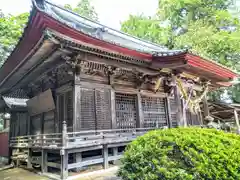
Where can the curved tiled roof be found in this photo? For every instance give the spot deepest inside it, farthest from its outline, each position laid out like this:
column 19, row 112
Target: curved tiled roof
column 46, row 15
column 98, row 30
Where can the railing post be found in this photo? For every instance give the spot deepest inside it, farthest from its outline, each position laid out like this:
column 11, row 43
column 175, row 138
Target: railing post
column 64, row 164
column 64, row 134
column 64, row 153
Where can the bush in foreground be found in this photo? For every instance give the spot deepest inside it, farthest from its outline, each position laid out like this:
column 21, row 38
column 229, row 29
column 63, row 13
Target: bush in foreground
column 182, row 154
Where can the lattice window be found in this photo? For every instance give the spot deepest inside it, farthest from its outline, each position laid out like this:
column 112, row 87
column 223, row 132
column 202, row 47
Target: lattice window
column 154, row 112
column 95, row 109
column 125, row 111
column 88, row 113
column 103, row 109
column 173, row 107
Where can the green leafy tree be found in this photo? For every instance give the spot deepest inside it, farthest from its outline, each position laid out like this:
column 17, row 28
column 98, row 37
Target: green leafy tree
column 85, row 9
column 147, row 28
column 11, row 28
column 208, row 28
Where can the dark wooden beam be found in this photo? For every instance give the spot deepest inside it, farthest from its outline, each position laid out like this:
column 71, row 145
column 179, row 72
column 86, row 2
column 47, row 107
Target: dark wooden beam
column 184, row 113
column 140, row 117
column 168, row 111
column 222, row 111
column 76, row 103
column 113, row 109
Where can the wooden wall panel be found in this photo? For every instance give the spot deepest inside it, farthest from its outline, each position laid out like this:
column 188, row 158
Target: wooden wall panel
column 48, row 122
column 192, row 119
column 36, row 124
column 42, row 103
column 4, row 148
column 23, row 120
column 173, row 108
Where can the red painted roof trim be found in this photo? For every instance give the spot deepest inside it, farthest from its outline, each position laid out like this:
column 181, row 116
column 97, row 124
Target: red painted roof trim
column 210, row 66
column 41, row 21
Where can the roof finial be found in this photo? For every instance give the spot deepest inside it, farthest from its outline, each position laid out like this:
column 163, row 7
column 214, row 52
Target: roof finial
column 39, row 3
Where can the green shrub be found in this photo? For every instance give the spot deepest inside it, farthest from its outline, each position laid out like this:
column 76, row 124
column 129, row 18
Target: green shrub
column 182, row 154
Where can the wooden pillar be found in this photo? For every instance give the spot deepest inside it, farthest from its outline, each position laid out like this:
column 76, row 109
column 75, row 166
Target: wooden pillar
column 206, row 112
column 184, row 113
column 10, row 135
column 168, row 112
column 237, row 120
column 140, row 116
column 200, row 117
column 77, row 113
column 105, row 156
column 113, row 109
column 178, row 103
column 57, row 115
column 64, row 153
column 64, row 164
column 76, row 104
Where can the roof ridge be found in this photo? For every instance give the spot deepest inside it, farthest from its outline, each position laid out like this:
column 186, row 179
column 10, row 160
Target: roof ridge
column 133, row 38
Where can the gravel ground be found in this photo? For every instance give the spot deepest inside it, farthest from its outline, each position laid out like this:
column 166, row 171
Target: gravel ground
column 22, row 174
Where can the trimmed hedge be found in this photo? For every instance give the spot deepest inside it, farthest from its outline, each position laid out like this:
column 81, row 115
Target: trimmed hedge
column 182, row 154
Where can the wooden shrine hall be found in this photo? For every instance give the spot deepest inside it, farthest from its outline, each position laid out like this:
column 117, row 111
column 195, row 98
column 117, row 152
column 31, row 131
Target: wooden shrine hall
column 79, row 91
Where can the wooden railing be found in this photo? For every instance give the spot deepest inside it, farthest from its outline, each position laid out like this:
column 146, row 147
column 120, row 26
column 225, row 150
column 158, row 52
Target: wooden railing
column 53, row 140
column 68, row 140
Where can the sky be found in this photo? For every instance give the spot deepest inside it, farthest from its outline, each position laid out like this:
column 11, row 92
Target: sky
column 110, row 12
